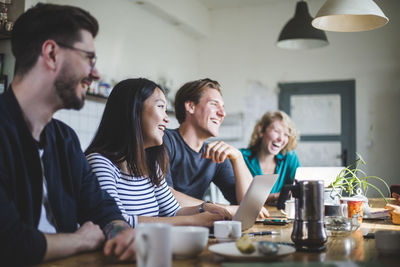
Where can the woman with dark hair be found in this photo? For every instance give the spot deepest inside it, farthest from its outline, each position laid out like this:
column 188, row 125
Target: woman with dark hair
column 271, row 150
column 129, row 159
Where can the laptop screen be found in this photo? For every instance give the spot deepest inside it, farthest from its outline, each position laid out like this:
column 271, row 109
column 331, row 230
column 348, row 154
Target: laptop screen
column 254, row 199
column 326, row 174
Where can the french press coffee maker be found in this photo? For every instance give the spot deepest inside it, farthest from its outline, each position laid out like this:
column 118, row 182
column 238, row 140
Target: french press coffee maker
column 308, row 227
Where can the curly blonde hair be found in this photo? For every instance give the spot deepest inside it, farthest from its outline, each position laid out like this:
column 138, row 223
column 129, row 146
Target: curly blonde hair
column 264, row 122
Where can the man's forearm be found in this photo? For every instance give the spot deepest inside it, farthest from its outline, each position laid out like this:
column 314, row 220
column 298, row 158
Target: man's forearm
column 243, row 177
column 61, row 245
column 185, row 200
column 87, row 238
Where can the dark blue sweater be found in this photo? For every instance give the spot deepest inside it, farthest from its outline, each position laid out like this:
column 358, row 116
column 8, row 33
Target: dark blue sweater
column 73, row 191
column 192, row 174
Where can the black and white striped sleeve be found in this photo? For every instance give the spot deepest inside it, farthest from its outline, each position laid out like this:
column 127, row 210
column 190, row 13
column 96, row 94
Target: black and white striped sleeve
column 108, row 175
column 166, row 201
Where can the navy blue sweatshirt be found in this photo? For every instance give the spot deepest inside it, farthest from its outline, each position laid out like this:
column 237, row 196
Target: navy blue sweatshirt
column 73, row 190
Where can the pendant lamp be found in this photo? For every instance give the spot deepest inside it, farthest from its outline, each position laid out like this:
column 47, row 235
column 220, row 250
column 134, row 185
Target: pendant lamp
column 349, row 16
column 298, row 32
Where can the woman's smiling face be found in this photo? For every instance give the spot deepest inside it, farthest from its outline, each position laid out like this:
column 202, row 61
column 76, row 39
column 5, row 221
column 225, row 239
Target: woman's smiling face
column 154, row 119
column 275, row 137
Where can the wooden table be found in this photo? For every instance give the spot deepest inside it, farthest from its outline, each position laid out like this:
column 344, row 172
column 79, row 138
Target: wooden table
column 350, row 248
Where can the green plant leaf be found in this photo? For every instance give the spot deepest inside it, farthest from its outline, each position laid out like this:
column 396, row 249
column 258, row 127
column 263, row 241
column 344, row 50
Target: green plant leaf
column 353, row 178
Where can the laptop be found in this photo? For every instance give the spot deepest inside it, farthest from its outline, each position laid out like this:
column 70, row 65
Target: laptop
column 254, row 199
column 326, row 174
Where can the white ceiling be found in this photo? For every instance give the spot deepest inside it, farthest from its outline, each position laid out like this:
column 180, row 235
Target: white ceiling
column 219, row 4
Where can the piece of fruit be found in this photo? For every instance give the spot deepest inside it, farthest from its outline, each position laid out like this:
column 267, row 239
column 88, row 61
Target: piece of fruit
column 245, row 245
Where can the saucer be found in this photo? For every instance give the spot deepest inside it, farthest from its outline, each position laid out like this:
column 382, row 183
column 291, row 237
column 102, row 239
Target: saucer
column 230, row 251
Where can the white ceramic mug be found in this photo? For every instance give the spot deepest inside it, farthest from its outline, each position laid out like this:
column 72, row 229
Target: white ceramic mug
column 227, row 230
column 343, row 204
column 290, row 209
column 153, row 245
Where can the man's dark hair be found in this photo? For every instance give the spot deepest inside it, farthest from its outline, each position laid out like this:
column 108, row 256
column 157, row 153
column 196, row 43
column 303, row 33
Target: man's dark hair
column 192, row 91
column 42, row 22
column 119, row 136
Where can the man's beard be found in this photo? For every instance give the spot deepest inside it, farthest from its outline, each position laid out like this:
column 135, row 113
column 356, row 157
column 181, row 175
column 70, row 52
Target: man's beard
column 66, row 84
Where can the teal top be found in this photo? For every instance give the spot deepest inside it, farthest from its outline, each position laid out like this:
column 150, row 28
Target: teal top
column 286, row 166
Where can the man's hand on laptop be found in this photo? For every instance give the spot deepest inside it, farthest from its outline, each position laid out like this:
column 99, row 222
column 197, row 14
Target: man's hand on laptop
column 219, row 151
column 263, row 214
column 210, row 207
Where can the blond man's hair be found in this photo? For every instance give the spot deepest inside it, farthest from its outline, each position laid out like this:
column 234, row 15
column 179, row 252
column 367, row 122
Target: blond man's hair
column 192, row 91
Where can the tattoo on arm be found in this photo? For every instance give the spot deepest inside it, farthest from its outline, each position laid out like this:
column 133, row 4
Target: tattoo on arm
column 114, row 228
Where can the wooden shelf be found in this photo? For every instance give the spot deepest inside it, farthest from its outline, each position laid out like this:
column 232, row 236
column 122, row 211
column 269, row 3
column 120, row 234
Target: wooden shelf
column 5, row 35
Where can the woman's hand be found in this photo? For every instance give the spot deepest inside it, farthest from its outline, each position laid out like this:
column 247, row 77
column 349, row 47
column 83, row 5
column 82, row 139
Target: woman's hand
column 263, row 214
column 206, row 219
column 212, row 208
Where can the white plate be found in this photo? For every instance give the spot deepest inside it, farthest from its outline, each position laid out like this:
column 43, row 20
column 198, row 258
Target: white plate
column 229, row 250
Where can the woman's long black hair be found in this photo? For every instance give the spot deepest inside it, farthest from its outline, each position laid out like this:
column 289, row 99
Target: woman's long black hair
column 119, row 136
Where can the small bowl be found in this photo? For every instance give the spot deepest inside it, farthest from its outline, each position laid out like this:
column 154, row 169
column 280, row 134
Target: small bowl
column 340, row 226
column 387, row 242
column 188, row 241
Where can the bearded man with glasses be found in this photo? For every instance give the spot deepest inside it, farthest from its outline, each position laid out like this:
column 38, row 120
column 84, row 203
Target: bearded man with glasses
column 50, row 201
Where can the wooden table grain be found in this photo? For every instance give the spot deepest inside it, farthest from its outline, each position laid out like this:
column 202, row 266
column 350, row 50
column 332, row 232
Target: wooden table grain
column 350, row 248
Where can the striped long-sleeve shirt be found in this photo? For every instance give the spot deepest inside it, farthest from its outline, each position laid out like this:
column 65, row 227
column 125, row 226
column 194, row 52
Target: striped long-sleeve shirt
column 135, row 196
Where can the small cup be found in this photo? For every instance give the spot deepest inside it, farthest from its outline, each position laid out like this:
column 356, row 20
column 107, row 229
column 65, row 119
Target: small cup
column 225, row 231
column 9, row 26
column 352, row 207
column 355, row 208
column 188, row 241
column 290, row 209
column 153, row 245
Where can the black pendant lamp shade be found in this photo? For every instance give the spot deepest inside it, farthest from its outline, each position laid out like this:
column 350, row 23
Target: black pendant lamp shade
column 298, row 33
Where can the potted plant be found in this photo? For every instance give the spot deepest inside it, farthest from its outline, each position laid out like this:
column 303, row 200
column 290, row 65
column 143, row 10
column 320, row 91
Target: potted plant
column 353, row 181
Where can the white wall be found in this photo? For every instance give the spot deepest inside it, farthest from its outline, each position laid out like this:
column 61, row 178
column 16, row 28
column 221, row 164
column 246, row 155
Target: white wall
column 132, row 43
column 241, row 49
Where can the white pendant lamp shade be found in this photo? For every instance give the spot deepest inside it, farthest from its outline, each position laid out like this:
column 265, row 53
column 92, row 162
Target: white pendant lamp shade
column 298, row 33
column 349, row 16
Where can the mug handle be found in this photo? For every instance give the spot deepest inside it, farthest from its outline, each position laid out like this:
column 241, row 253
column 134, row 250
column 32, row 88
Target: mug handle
column 343, row 210
column 142, row 247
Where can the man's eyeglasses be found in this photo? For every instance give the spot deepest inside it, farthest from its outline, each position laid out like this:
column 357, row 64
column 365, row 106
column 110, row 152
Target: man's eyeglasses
column 89, row 54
